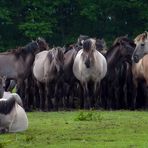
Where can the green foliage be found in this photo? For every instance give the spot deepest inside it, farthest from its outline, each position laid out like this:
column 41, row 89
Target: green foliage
column 32, row 30
column 61, row 21
column 88, row 116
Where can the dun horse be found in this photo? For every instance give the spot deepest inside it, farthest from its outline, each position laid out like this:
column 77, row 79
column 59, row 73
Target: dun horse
column 140, row 62
column 12, row 115
column 89, row 66
column 47, row 69
column 120, row 51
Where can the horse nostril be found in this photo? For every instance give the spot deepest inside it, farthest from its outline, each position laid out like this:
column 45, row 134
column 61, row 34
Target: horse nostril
column 136, row 58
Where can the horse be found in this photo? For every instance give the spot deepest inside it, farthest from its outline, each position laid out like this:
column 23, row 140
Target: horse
column 89, row 66
column 47, row 69
column 17, row 63
column 140, row 66
column 12, row 115
column 118, row 57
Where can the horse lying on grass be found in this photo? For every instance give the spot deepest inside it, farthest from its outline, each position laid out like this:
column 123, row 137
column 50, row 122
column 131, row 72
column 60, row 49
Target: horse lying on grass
column 12, row 115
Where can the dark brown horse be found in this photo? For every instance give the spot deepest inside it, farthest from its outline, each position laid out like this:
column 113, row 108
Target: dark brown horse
column 121, row 50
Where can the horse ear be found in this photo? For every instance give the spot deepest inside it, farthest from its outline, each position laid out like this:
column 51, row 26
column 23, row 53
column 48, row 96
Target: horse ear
column 40, row 39
column 102, row 40
column 145, row 34
column 82, row 41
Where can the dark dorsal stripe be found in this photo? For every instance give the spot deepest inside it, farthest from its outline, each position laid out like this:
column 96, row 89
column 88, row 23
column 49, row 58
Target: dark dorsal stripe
column 7, row 105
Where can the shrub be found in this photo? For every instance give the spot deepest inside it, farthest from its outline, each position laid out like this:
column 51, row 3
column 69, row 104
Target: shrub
column 88, row 116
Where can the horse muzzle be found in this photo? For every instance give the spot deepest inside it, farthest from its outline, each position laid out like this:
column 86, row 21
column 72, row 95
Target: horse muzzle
column 135, row 58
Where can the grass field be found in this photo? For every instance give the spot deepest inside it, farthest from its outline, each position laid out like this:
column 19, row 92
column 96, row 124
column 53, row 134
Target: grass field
column 82, row 129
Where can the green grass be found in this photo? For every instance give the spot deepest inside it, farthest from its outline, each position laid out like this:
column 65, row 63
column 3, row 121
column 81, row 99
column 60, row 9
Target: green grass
column 82, row 129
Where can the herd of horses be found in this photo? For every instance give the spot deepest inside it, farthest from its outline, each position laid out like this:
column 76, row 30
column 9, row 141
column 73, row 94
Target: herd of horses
column 85, row 74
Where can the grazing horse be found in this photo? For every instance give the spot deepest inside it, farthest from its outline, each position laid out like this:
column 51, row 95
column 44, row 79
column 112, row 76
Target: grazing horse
column 17, row 63
column 47, row 69
column 89, row 66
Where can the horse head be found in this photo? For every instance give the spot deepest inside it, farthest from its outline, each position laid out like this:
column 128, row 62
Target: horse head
column 89, row 46
column 140, row 50
column 42, row 44
column 126, row 46
column 33, row 47
column 101, row 46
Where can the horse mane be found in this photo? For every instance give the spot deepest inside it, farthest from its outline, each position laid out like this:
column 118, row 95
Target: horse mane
column 141, row 37
column 7, row 105
column 110, row 50
column 119, row 41
column 29, row 48
column 60, row 52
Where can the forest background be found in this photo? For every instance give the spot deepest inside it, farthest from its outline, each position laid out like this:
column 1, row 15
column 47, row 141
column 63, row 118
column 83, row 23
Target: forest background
column 60, row 22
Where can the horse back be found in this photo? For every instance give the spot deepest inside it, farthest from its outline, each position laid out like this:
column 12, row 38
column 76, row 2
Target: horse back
column 38, row 66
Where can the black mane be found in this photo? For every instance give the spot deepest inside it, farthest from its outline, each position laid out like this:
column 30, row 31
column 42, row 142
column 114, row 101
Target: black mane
column 7, row 105
column 29, row 48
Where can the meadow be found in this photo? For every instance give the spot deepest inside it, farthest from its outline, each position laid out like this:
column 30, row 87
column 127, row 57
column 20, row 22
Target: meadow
column 81, row 129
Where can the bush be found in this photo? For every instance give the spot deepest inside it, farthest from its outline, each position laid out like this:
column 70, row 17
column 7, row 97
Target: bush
column 88, row 116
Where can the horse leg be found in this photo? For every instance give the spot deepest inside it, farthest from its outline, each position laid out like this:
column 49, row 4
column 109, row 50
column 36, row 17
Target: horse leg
column 146, row 98
column 4, row 130
column 20, row 90
column 81, row 97
column 48, row 102
column 134, row 95
column 86, row 95
column 27, row 93
column 57, row 97
column 36, row 95
column 41, row 94
column 125, row 96
column 66, row 89
column 97, row 94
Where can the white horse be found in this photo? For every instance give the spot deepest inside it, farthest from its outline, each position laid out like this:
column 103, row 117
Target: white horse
column 12, row 115
column 89, row 66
